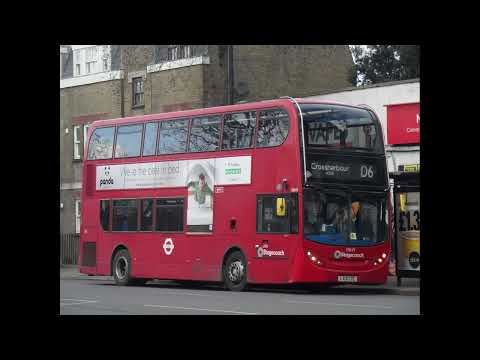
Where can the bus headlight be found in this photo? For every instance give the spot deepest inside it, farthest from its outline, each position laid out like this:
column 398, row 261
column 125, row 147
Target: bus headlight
column 313, row 258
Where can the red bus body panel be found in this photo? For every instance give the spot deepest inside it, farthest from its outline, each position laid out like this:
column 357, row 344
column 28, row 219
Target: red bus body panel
column 200, row 256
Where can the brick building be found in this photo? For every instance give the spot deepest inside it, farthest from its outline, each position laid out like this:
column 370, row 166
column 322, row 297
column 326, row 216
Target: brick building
column 113, row 81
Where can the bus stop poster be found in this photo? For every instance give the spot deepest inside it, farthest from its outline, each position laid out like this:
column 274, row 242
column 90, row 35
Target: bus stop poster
column 408, row 230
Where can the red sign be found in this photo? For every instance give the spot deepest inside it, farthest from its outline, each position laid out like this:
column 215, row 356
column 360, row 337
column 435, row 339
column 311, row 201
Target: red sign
column 403, row 124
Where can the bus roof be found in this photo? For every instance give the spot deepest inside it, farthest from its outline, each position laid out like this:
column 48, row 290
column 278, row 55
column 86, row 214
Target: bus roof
column 212, row 110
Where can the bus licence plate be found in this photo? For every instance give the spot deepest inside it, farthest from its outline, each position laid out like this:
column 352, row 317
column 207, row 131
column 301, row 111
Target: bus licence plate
column 347, row 278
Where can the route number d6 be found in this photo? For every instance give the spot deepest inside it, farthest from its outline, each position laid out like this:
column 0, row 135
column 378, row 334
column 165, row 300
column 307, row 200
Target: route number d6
column 366, row 171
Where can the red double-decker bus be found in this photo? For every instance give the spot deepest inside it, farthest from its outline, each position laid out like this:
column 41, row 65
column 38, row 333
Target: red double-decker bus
column 278, row 191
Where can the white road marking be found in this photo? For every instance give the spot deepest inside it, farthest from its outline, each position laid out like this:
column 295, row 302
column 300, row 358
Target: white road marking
column 190, row 294
column 77, row 302
column 80, row 303
column 185, row 308
column 355, row 305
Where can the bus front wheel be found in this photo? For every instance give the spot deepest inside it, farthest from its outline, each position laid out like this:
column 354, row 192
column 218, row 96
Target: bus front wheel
column 235, row 272
column 121, row 268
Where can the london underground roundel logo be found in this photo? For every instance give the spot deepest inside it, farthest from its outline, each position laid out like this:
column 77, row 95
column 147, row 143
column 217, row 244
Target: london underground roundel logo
column 337, row 254
column 168, row 246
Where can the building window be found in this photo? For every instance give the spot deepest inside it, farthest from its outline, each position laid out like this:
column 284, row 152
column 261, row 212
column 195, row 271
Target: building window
column 86, row 60
column 172, row 53
column 184, row 51
column 90, row 59
column 78, row 60
column 78, row 211
column 176, row 52
column 76, row 142
column 85, row 140
column 137, row 84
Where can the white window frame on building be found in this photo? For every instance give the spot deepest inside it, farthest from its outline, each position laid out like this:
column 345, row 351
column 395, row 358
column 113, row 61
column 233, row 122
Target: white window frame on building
column 76, row 142
column 138, row 98
column 176, row 52
column 85, row 61
column 85, row 142
column 91, row 57
column 77, row 61
column 78, row 213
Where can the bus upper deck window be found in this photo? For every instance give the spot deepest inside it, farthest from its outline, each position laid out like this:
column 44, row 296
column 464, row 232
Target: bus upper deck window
column 101, row 144
column 273, row 127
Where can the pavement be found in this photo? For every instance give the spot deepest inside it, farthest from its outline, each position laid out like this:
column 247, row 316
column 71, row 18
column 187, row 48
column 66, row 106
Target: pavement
column 410, row 286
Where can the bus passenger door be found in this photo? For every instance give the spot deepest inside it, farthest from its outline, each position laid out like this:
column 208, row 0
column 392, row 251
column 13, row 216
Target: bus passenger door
column 169, row 252
column 276, row 235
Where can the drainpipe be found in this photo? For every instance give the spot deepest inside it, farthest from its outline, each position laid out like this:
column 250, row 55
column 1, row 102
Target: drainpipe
column 230, row 74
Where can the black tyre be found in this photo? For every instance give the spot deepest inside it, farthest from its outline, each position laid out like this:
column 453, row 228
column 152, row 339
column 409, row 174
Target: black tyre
column 121, row 268
column 319, row 287
column 235, row 272
column 139, row 281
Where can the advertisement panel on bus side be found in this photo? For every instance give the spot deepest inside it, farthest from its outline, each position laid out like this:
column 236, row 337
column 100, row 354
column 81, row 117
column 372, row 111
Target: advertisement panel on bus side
column 227, row 171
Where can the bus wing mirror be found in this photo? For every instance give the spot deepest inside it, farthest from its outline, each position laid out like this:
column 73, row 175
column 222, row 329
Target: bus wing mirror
column 281, row 207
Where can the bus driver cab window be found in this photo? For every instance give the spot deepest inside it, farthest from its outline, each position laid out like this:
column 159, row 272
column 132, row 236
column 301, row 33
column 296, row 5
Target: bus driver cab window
column 363, row 217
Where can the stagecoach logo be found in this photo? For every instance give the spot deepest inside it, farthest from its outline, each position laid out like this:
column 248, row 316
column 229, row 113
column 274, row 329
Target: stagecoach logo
column 168, row 246
column 261, row 252
column 340, row 254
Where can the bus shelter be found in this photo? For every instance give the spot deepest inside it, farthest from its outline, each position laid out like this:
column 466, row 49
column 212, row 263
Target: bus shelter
column 406, row 195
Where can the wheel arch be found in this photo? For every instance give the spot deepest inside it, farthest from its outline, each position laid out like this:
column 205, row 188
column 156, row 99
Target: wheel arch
column 227, row 253
column 114, row 252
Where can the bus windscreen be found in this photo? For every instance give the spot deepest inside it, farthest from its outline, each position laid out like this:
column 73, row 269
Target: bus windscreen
column 340, row 127
column 342, row 218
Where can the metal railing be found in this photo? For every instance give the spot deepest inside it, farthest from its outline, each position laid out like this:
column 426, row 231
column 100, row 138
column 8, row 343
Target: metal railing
column 69, row 249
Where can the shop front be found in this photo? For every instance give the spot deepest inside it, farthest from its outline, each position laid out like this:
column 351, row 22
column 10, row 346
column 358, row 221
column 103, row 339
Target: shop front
column 403, row 132
column 406, row 202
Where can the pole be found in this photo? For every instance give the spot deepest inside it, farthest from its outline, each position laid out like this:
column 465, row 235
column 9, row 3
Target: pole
column 230, row 74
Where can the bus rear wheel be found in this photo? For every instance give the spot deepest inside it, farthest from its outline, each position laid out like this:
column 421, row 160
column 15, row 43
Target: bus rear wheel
column 235, row 272
column 121, row 268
